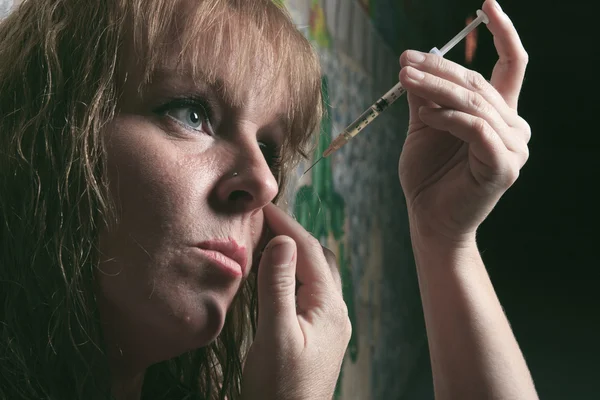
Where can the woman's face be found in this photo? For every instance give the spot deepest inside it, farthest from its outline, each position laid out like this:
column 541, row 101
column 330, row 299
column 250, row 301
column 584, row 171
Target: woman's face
column 190, row 174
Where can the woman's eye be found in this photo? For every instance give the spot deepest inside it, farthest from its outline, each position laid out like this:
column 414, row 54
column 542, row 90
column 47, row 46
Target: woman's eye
column 190, row 113
column 191, row 116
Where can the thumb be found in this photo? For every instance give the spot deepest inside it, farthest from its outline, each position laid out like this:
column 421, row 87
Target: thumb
column 277, row 285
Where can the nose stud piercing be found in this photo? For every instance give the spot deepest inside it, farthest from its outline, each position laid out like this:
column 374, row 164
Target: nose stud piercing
column 235, row 174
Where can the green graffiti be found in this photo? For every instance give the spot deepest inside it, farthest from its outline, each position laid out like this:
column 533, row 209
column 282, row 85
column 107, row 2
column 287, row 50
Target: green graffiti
column 321, row 210
column 318, row 31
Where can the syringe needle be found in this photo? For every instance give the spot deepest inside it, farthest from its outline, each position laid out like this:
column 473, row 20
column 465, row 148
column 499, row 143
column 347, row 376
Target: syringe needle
column 315, row 163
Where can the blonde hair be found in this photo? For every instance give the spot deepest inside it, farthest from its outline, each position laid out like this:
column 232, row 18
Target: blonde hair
column 60, row 80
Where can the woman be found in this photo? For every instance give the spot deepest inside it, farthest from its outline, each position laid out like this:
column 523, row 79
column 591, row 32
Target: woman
column 143, row 144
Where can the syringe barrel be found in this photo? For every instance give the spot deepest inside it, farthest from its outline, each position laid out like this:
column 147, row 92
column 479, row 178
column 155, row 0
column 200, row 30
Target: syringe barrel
column 372, row 112
column 361, row 122
column 393, row 94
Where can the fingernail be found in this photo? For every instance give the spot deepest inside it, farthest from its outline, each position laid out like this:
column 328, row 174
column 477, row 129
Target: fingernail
column 498, row 6
column 415, row 74
column 415, row 56
column 281, row 254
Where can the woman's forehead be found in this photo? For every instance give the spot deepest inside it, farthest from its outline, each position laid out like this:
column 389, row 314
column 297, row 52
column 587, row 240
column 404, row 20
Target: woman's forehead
column 228, row 52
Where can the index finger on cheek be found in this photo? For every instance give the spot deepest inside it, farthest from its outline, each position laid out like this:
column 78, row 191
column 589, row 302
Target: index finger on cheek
column 509, row 71
column 312, row 265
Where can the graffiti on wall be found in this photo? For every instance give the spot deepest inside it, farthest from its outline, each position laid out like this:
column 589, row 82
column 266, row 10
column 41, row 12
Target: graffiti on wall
column 321, row 207
column 321, row 210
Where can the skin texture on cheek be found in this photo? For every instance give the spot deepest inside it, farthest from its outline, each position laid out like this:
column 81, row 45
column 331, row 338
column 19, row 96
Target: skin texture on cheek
column 161, row 190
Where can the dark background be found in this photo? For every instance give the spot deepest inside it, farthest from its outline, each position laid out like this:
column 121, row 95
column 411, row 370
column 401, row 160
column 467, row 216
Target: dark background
column 540, row 243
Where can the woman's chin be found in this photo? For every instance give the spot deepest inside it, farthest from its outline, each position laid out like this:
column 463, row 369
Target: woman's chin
column 202, row 326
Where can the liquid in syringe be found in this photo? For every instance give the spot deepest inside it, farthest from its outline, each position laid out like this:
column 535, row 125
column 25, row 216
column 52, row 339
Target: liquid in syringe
column 365, row 118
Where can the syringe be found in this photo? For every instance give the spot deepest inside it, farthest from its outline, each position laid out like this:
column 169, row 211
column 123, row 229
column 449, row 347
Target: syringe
column 392, row 95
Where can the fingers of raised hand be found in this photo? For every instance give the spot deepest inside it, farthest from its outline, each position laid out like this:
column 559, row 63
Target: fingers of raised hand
column 311, row 267
column 338, row 308
column 454, row 87
column 333, row 267
column 327, row 273
column 323, row 296
column 509, row 71
column 276, row 288
column 324, row 301
column 465, row 91
column 494, row 162
column 459, row 75
column 319, row 292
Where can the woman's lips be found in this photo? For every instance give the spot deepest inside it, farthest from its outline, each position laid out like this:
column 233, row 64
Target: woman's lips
column 227, row 254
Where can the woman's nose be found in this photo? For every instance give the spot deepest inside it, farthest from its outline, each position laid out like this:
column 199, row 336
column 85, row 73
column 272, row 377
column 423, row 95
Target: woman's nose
column 249, row 184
